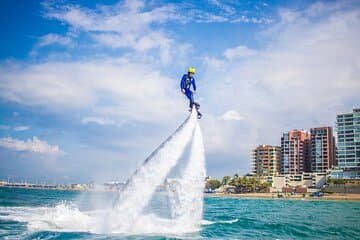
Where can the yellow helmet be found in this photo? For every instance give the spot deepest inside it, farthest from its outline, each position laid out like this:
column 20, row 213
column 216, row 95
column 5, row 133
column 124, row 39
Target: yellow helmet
column 191, row 70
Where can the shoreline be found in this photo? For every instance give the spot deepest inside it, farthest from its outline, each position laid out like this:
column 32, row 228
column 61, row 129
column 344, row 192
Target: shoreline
column 334, row 196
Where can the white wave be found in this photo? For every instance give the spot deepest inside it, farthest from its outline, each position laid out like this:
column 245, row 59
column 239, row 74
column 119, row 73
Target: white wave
column 206, row 222
column 66, row 217
column 229, row 221
column 63, row 217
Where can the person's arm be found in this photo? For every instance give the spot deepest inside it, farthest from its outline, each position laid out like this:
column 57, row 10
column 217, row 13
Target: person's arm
column 182, row 84
column 194, row 84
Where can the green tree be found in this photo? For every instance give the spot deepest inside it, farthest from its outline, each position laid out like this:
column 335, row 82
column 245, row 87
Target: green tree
column 226, row 180
column 213, row 184
column 330, row 180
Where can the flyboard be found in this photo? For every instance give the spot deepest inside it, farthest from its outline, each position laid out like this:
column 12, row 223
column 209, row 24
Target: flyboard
column 197, row 107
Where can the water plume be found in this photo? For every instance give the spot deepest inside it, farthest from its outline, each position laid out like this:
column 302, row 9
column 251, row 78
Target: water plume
column 141, row 186
column 127, row 216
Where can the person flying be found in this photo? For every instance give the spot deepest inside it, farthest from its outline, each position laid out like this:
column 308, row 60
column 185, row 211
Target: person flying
column 188, row 81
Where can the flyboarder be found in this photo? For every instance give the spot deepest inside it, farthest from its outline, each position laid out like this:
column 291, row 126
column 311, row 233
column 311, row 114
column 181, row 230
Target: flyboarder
column 187, row 81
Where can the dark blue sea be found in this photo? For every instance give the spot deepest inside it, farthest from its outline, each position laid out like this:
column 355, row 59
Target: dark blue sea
column 50, row 214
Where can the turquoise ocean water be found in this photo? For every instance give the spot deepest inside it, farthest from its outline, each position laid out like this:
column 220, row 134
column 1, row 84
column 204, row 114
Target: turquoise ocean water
column 224, row 218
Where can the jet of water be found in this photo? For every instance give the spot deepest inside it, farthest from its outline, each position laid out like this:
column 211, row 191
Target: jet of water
column 187, row 195
column 142, row 185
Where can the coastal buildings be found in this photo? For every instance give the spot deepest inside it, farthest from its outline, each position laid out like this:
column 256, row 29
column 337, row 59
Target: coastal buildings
column 322, row 150
column 301, row 151
column 337, row 173
column 295, row 146
column 348, row 147
column 308, row 158
column 297, row 181
column 266, row 160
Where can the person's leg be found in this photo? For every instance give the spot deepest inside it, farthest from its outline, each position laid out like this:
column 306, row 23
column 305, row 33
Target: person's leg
column 189, row 95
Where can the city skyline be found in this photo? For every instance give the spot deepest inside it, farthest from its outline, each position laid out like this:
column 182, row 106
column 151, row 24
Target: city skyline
column 314, row 151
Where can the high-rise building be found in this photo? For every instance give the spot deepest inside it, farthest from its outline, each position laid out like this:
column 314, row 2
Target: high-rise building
column 322, row 150
column 294, row 152
column 348, row 138
column 266, row 160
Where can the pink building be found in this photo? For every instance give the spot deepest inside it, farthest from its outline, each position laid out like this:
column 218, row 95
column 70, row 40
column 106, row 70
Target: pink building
column 295, row 152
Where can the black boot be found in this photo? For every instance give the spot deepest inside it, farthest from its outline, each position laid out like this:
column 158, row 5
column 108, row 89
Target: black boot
column 197, row 105
column 191, row 105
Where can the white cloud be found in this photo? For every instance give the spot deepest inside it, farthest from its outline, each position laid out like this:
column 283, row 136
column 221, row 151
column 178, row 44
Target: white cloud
column 306, row 72
column 220, row 12
column 319, row 8
column 97, row 120
column 214, row 63
column 228, row 137
column 21, row 128
column 124, row 17
column 154, row 40
column 226, row 8
column 124, row 25
column 130, row 91
column 231, row 115
column 52, row 38
column 18, row 128
column 255, row 20
column 129, row 24
column 31, row 145
column 289, row 16
column 200, row 16
column 239, row 52
column 115, row 40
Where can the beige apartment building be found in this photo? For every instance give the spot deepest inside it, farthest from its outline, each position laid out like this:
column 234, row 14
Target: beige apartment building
column 265, row 160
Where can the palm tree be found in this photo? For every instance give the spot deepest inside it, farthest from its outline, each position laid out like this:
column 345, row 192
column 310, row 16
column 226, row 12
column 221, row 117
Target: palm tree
column 226, row 180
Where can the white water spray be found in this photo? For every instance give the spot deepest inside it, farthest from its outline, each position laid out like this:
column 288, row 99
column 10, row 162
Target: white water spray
column 127, row 216
column 142, row 185
column 187, row 195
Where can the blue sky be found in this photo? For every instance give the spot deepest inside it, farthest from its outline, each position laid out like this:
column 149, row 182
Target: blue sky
column 89, row 88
